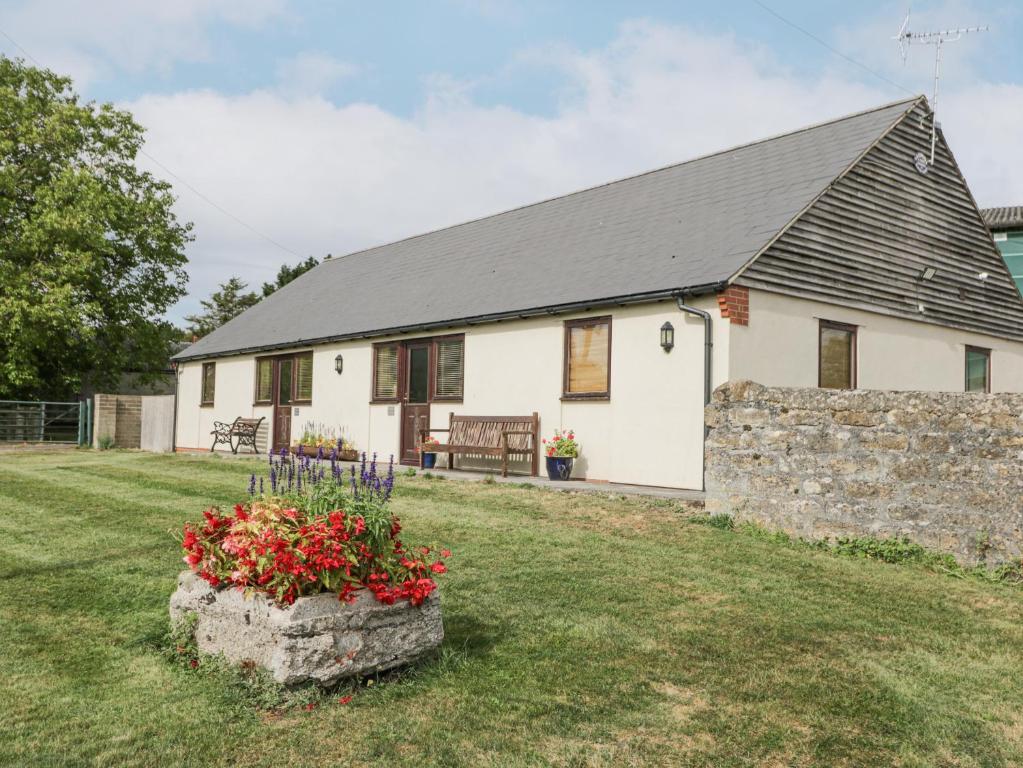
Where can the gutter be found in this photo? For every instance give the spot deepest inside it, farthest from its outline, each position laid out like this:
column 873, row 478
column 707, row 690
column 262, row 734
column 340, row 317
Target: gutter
column 708, row 342
column 708, row 348
column 494, row 317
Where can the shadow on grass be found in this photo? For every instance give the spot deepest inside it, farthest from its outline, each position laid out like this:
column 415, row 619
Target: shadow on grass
column 467, row 636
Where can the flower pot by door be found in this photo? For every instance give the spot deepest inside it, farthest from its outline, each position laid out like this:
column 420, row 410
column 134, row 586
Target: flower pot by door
column 559, row 467
column 429, row 460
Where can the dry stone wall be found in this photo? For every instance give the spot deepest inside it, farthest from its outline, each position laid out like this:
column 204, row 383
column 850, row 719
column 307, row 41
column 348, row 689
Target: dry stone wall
column 944, row 469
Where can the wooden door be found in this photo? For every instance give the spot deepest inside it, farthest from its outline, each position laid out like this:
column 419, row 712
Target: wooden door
column 284, row 380
column 415, row 404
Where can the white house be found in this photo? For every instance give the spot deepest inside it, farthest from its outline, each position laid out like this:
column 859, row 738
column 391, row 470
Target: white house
column 830, row 256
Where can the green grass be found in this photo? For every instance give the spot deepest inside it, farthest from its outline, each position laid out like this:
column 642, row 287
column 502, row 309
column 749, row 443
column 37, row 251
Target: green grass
column 581, row 631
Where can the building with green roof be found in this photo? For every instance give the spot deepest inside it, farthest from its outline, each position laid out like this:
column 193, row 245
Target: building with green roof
column 1006, row 225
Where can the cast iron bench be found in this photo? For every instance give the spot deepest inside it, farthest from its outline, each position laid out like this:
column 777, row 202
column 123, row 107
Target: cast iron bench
column 242, row 430
column 502, row 436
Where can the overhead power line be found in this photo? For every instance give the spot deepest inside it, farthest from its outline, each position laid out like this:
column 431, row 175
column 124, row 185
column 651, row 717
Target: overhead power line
column 180, row 180
column 833, row 50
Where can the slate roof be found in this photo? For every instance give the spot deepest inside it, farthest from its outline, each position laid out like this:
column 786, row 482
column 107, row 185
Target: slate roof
column 1008, row 217
column 689, row 226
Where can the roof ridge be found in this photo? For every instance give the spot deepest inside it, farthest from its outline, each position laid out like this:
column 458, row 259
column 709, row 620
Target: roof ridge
column 707, row 156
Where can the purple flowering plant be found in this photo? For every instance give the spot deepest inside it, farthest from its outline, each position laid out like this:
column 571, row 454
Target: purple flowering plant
column 320, row 484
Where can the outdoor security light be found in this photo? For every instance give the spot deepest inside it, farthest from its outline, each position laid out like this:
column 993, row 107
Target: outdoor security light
column 339, row 364
column 927, row 274
column 667, row 337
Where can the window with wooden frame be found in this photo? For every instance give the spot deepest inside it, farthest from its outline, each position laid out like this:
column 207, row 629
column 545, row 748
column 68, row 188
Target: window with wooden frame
column 587, row 360
column 978, row 369
column 836, row 356
column 303, row 368
column 385, row 373
column 449, row 368
column 264, row 381
column 209, row 383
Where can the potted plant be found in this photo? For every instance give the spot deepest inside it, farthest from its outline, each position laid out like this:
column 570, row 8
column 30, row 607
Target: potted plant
column 318, row 441
column 561, row 451
column 308, row 577
column 429, row 450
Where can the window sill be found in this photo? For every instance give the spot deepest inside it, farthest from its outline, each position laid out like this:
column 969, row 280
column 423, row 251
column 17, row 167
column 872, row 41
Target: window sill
column 205, row 405
column 384, row 402
column 603, row 398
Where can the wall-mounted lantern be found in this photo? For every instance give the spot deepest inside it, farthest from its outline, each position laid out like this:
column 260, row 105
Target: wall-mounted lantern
column 667, row 337
column 339, row 364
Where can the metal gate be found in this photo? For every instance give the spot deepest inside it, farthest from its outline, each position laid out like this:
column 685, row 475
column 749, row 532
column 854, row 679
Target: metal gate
column 23, row 421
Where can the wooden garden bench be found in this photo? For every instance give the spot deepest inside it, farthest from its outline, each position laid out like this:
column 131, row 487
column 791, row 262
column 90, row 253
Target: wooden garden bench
column 502, row 436
column 236, row 434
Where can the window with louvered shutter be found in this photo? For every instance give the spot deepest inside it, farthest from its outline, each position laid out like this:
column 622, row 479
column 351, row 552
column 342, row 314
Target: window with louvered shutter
column 209, row 382
column 385, row 372
column 304, row 377
column 264, row 380
column 450, row 369
column 588, row 358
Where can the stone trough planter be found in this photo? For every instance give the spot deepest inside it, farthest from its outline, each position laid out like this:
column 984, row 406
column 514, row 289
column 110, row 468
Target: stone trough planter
column 319, row 639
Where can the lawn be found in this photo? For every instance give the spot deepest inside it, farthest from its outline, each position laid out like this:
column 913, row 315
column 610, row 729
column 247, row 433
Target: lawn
column 581, row 630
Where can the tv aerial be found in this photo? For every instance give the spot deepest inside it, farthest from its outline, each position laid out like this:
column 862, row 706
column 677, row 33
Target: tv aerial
column 905, row 38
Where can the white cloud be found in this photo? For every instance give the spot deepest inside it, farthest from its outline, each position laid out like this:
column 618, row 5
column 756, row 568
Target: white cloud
column 99, row 38
column 312, row 73
column 321, row 177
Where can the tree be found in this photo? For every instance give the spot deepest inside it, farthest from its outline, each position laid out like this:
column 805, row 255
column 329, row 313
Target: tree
column 91, row 253
column 286, row 274
column 229, row 301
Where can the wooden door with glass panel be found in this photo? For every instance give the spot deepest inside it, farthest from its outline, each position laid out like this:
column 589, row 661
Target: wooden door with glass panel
column 292, row 385
column 283, row 396
column 415, row 402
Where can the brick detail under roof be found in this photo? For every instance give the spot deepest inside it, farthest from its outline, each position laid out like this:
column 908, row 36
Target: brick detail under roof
column 734, row 304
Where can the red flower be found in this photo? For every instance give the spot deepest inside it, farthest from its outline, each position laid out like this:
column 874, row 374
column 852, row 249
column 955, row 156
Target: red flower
column 345, row 700
column 193, row 663
column 310, row 706
column 288, row 553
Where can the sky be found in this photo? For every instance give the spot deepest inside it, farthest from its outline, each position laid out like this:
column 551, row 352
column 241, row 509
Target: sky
column 291, row 129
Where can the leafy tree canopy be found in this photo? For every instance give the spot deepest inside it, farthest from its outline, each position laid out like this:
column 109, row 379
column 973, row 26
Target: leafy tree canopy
column 231, row 299
column 91, row 253
column 286, row 274
column 228, row 301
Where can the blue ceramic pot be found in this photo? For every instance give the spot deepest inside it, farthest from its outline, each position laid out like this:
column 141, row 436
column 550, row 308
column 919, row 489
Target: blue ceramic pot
column 429, row 459
column 559, row 467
